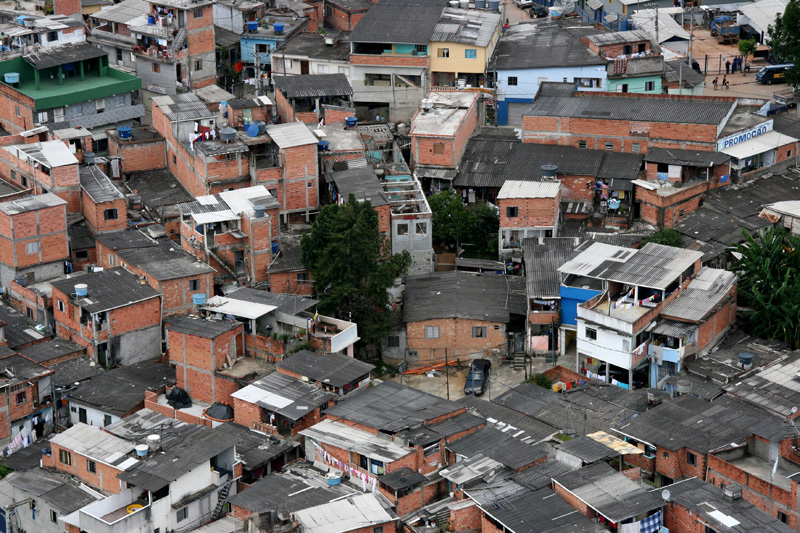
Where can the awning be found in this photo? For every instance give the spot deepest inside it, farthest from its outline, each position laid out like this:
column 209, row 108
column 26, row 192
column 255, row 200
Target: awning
column 758, row 145
column 99, row 134
column 239, row 308
column 672, row 328
column 214, row 216
column 594, row 4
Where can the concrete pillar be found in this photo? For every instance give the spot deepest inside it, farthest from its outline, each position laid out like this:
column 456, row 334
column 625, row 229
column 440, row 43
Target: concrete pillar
column 60, row 76
column 36, row 78
column 80, row 69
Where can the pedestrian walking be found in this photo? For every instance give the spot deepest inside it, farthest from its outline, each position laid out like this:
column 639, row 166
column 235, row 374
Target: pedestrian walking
column 728, row 66
column 725, row 82
column 734, row 64
column 715, row 82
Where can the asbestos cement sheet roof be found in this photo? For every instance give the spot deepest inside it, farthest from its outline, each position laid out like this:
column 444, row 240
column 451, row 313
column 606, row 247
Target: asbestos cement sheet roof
column 486, row 158
column 399, row 21
column 587, row 449
column 123, row 12
column 357, row 512
column 466, row 27
column 529, row 189
column 500, row 446
column 62, row 494
column 107, row 289
column 291, row 134
column 98, row 186
column 542, row 262
column 541, row 511
column 608, row 492
column 687, row 158
column 702, row 296
column 470, row 468
column 355, row 440
column 285, row 395
column 655, row 266
column 402, row 479
column 68, row 53
column 95, row 444
column 183, row 106
column 49, row 153
column 776, row 388
column 200, row 327
column 238, row 308
column 597, row 261
column 334, row 369
column 165, row 262
column 283, row 491
column 313, row 85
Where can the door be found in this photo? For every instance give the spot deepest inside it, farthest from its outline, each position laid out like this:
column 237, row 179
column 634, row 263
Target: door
column 515, row 111
column 303, row 67
column 82, row 415
column 239, row 259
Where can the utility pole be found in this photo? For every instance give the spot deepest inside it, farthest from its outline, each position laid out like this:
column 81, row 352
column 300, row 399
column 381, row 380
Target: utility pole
column 680, row 78
column 447, row 373
column 691, row 34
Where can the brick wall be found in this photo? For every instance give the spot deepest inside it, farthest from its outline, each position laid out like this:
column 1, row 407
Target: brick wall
column 342, row 18
column 105, row 477
column 95, row 214
column 151, row 402
column 668, row 210
column 466, row 518
column 531, row 212
column 47, row 227
column 574, row 501
column 455, row 334
column 138, row 156
column 247, row 414
column 337, row 115
column 287, row 282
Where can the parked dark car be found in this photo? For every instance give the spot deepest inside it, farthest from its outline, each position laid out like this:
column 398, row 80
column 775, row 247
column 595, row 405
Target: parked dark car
column 621, row 375
column 538, row 11
column 478, row 377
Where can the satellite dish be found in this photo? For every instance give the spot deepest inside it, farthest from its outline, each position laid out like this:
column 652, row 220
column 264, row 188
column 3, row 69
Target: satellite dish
column 665, row 495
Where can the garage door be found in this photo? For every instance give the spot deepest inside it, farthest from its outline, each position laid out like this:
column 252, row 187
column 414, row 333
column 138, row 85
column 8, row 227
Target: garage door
column 515, row 111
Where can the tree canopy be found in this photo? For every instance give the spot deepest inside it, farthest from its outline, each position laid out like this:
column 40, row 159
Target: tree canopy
column 666, row 236
column 769, row 284
column 747, row 47
column 785, row 39
column 474, row 227
column 352, row 266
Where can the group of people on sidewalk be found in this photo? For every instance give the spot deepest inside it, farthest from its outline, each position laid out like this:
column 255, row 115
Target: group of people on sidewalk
column 725, row 83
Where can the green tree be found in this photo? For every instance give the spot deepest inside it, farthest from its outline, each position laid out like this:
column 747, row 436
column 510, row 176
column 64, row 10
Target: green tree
column 769, row 284
column 483, row 230
column 451, row 221
column 785, row 39
column 666, row 236
column 352, row 266
column 747, row 47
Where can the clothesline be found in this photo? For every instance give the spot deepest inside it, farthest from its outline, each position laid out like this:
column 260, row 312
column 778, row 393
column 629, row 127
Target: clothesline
column 366, row 479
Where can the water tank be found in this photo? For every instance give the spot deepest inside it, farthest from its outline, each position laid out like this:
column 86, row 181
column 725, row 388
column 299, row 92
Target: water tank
column 252, row 130
column 549, row 172
column 226, row 134
column 141, row 450
column 746, row 358
column 259, row 211
column 11, row 77
column 684, row 386
column 351, row 122
column 262, row 126
column 154, row 441
column 654, row 396
column 277, row 27
column 275, row 247
column 480, row 4
column 494, row 5
column 198, row 298
column 125, row 132
column 81, row 290
column 453, row 3
column 21, row 281
column 151, row 19
column 88, row 158
column 334, row 478
column 322, row 146
column 464, row 4
column 252, row 25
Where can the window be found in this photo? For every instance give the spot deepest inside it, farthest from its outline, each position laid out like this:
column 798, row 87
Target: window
column 641, row 47
column 431, row 332
column 582, row 144
column 61, row 306
column 443, row 52
column 710, row 529
column 610, row 146
column 183, row 514
column 262, row 48
column 649, row 86
column 627, row 49
column 402, row 229
column 438, row 148
column 302, row 277
column 635, row 147
column 81, row 254
column 19, row 114
column 52, row 36
column 174, row 159
column 512, row 212
column 106, row 420
column 53, row 516
column 591, row 333
column 198, row 64
column 344, row 70
column 512, row 80
column 393, row 341
column 421, row 49
column 91, row 466
column 194, row 284
column 377, row 529
column 328, row 11
column 623, row 88
column 65, row 457
column 666, row 455
column 323, row 69
column 156, row 67
column 197, row 13
column 58, row 114
column 788, row 153
column 287, row 64
column 13, row 176
column 783, row 517
column 479, row 332
column 662, row 167
column 21, row 397
column 30, row 313
column 23, row 180
column 119, row 54
column 32, row 248
column 422, row 228
column 471, row 53
column 691, row 459
column 41, row 116
column 110, row 214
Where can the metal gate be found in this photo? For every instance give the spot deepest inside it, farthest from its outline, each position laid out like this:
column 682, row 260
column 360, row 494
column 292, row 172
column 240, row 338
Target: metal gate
column 515, row 111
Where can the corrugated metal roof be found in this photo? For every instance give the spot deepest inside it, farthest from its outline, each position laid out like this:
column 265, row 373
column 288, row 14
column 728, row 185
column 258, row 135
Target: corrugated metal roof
column 333, row 369
column 542, row 262
column 291, row 134
column 284, row 395
column 399, row 21
column 704, row 293
column 98, row 186
column 597, row 260
column 655, row 266
column 358, row 512
column 313, row 85
column 94, row 443
column 466, row 27
column 356, row 440
column 668, row 27
column 123, row 12
column 183, row 106
column 529, row 189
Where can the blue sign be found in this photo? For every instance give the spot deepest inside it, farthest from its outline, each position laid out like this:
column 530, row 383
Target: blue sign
column 744, row 136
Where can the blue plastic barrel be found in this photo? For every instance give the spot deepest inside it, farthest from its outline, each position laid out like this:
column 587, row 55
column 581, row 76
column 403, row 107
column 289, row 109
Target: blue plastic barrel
column 252, row 130
column 81, row 289
column 351, row 122
column 198, row 298
column 11, row 77
column 278, row 27
column 252, row 25
column 125, row 132
column 275, row 247
column 151, row 19
column 323, row 146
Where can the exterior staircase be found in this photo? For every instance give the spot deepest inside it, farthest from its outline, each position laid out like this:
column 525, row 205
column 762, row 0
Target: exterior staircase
column 222, row 498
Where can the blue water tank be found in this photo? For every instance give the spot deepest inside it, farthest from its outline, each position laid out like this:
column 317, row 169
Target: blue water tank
column 275, row 247
column 252, row 130
column 198, row 298
column 480, row 4
column 262, row 126
column 81, row 290
column 125, row 132
column 252, row 25
column 259, row 211
column 11, row 77
column 88, row 158
column 494, row 5
column 151, row 19
column 277, row 27
column 322, row 146
column 351, row 122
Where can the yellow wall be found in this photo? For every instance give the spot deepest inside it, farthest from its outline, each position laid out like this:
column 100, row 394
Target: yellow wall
column 457, row 62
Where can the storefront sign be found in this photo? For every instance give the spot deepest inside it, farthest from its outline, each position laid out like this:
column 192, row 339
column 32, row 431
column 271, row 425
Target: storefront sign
column 156, row 89
column 744, row 136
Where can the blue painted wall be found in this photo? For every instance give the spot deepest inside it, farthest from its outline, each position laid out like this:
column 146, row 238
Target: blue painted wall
column 571, row 298
column 248, row 47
